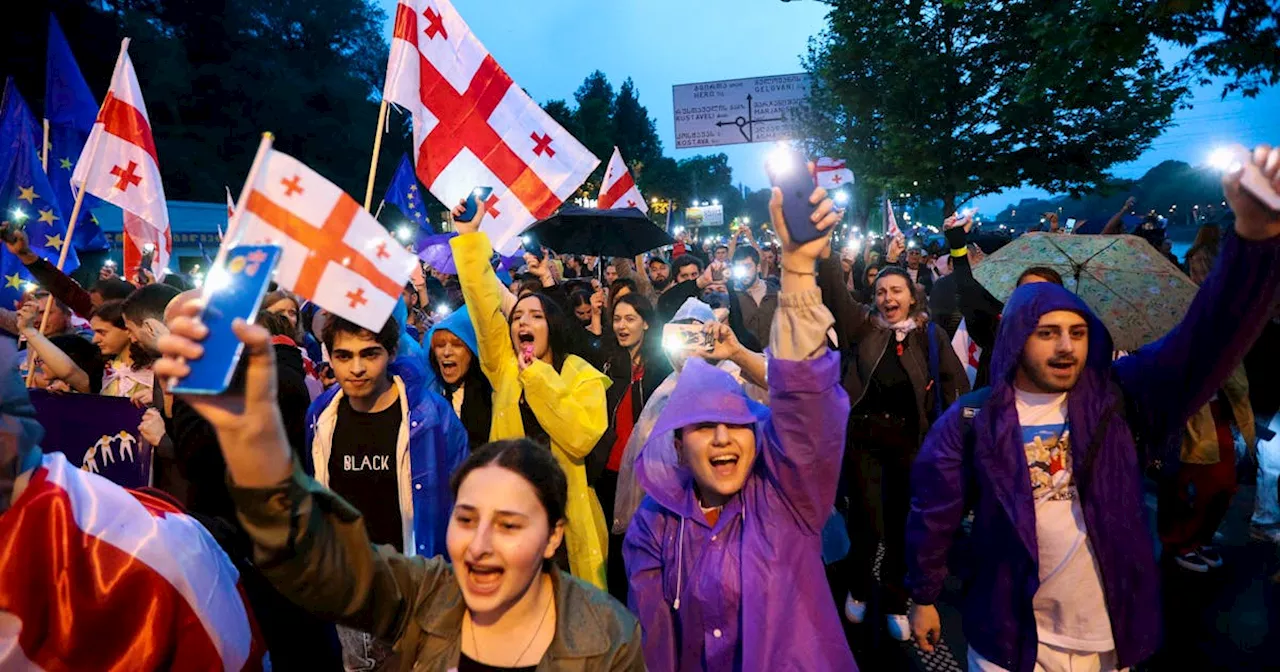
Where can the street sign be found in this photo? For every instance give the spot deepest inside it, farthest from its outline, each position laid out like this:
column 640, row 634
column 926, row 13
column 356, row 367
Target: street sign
column 737, row 111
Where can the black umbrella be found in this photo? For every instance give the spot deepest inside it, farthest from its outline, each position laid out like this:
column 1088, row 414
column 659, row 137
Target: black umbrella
column 625, row 232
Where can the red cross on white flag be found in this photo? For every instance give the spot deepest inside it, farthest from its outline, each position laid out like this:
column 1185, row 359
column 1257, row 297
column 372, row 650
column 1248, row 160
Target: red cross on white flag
column 619, row 190
column 119, row 166
column 474, row 127
column 832, row 173
column 335, row 253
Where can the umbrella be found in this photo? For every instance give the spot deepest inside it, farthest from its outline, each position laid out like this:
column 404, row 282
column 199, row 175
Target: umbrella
column 625, row 232
column 1136, row 292
column 436, row 252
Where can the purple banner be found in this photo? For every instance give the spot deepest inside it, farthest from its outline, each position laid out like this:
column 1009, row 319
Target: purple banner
column 97, row 434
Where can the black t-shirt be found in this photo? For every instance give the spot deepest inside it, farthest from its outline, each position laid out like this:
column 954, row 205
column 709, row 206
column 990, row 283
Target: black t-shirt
column 466, row 664
column 362, row 468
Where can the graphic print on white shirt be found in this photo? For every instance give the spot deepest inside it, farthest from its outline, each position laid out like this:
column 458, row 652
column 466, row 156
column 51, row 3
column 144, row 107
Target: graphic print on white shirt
column 1070, row 607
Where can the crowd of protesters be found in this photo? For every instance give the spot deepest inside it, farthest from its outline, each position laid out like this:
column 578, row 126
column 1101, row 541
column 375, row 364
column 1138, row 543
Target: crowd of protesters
column 710, row 457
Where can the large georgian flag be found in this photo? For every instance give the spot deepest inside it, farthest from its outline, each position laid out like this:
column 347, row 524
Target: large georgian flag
column 474, row 127
column 619, row 190
column 119, row 166
column 96, row 577
column 335, row 253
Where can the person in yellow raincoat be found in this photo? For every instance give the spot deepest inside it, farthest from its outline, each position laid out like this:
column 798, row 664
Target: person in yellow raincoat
column 539, row 389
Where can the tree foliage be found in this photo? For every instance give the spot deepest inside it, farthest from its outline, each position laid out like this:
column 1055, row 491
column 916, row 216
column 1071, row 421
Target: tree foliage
column 1238, row 40
column 218, row 73
column 954, row 102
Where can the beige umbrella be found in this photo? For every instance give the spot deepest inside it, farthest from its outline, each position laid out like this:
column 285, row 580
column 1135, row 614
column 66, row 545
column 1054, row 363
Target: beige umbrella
column 1137, row 292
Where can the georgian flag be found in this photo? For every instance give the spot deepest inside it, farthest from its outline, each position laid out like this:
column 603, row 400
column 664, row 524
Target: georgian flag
column 335, row 253
column 119, row 165
column 619, row 190
column 832, row 173
column 968, row 351
column 891, row 229
column 474, row 127
column 97, row 577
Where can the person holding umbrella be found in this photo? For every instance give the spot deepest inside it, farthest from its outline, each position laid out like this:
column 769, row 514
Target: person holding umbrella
column 541, row 389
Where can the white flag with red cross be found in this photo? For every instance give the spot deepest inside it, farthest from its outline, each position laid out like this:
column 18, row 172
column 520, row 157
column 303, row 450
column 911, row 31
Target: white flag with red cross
column 119, row 166
column 891, row 229
column 619, row 190
column 832, row 173
column 474, row 127
column 335, row 253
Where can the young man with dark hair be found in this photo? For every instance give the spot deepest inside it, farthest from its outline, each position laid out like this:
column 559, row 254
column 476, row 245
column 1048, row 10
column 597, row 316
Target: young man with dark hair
column 144, row 315
column 659, row 273
column 756, row 299
column 1064, row 574
column 381, row 431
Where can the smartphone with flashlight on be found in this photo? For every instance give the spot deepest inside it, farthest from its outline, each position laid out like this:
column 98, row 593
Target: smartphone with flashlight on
column 472, row 207
column 789, row 171
column 148, row 257
column 235, row 290
column 677, row 337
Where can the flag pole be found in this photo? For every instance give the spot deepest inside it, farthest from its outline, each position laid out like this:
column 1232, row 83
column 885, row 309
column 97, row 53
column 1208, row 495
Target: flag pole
column 377, row 148
column 62, row 260
column 44, row 149
column 233, row 226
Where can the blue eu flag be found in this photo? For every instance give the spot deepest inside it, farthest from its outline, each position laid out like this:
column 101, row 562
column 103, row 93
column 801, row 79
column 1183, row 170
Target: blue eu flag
column 70, row 109
column 403, row 192
column 25, row 196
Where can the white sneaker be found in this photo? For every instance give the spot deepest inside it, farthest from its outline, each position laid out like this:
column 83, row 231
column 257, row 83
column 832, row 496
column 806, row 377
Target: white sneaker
column 899, row 627
column 854, row 610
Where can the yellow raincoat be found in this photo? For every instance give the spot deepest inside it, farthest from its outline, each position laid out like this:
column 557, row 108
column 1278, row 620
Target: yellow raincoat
column 570, row 405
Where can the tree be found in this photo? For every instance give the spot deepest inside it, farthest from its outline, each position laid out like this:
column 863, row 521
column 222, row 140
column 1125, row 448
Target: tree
column 1235, row 39
column 594, row 115
column 634, row 131
column 953, row 102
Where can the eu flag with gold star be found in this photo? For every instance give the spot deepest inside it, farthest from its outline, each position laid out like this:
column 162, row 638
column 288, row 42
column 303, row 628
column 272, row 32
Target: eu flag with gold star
column 70, row 110
column 403, row 192
column 26, row 196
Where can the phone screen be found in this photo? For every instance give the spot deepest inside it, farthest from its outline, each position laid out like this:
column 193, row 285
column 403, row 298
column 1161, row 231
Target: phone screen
column 241, row 285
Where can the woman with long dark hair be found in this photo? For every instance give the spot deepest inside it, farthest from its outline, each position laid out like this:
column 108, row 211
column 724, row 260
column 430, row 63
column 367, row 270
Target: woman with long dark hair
column 636, row 364
column 542, row 388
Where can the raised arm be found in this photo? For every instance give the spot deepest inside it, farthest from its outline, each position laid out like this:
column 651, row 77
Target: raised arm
column 56, row 362
column 1116, row 223
column 809, row 406
column 980, row 309
column 59, row 284
column 471, row 253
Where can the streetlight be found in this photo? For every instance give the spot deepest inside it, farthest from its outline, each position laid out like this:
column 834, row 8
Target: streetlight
column 715, row 201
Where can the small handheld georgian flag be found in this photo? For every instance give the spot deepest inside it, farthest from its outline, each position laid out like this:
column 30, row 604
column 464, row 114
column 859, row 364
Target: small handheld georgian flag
column 335, row 253
column 619, row 190
column 891, row 229
column 832, row 173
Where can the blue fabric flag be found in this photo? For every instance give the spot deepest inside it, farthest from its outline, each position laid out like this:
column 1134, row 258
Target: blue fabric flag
column 25, row 196
column 403, row 192
column 70, row 109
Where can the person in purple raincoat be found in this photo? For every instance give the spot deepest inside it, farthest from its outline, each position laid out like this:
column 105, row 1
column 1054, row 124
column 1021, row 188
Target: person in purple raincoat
column 1064, row 574
column 724, row 555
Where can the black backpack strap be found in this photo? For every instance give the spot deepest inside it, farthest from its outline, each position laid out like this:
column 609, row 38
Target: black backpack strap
column 934, row 370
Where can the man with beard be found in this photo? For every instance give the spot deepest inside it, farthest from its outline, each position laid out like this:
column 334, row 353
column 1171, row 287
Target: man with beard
column 659, row 273
column 1064, row 573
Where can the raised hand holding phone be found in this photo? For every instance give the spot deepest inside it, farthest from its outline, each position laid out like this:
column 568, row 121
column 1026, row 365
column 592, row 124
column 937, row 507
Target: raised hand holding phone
column 468, row 212
column 793, row 176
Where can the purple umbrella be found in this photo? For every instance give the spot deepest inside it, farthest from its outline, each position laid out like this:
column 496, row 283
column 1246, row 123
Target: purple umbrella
column 436, row 252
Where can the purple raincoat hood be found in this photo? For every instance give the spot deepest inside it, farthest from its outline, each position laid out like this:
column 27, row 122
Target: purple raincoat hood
column 703, row 393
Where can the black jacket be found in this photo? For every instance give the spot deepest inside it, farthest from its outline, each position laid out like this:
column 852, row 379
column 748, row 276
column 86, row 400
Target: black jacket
column 617, row 365
column 980, row 310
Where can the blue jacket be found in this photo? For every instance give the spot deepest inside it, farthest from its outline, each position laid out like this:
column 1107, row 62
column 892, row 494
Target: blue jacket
column 432, row 444
column 1160, row 386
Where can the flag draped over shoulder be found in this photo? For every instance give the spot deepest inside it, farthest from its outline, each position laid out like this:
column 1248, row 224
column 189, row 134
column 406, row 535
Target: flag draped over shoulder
column 335, row 253
column 26, row 196
column 70, row 109
column 403, row 193
column 474, row 127
column 119, row 165
column 111, row 579
column 619, row 190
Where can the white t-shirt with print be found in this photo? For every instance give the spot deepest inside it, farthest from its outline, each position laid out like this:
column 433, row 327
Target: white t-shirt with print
column 1070, row 608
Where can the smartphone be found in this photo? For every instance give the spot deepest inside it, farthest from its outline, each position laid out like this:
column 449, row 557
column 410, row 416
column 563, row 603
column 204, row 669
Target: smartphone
column 247, row 274
column 148, row 257
column 9, row 232
column 789, row 171
column 1071, row 224
column 478, row 195
column 677, row 337
column 532, row 246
